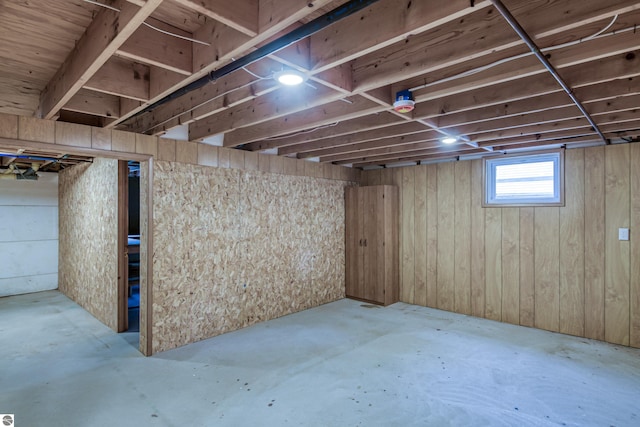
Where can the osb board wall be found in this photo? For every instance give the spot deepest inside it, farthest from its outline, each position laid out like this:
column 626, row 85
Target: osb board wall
column 88, row 218
column 232, row 248
column 561, row 269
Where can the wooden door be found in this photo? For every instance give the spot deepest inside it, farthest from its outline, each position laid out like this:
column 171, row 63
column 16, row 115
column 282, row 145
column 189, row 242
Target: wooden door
column 374, row 262
column 354, row 242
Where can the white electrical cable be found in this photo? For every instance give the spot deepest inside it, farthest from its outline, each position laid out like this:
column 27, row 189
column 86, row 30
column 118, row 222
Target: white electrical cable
column 115, row 9
column 524, row 55
column 254, row 74
column 303, row 132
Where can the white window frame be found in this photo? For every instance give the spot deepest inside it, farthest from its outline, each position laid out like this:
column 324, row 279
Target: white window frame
column 491, row 163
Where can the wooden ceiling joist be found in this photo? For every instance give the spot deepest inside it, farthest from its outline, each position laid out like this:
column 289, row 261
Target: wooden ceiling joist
column 106, row 33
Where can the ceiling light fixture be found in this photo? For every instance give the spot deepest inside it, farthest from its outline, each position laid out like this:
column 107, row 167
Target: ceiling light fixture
column 449, row 140
column 290, row 77
column 404, row 102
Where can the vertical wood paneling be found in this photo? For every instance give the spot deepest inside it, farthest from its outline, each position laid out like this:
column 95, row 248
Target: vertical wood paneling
column 223, row 157
column 477, row 241
column 446, row 236
column 236, row 159
column 634, row 300
column 616, row 304
column 420, row 220
column 542, row 267
column 374, row 177
column 572, row 246
column 493, row 266
column 594, row 222
column 527, row 267
column 432, row 236
column 462, row 231
column 511, row 265
column 547, row 264
column 407, row 267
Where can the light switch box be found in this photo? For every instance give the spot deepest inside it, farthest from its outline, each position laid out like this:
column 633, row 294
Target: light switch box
column 623, row 234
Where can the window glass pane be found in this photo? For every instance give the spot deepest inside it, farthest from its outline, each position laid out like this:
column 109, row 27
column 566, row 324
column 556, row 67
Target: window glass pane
column 525, row 180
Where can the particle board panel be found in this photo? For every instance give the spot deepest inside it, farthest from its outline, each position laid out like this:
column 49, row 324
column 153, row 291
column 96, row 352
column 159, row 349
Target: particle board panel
column 8, row 126
column 407, row 254
column 462, row 221
column 572, row 246
column 420, row 222
column 617, row 208
column 634, row 300
column 32, row 129
column 251, row 160
column 223, row 157
column 207, row 155
column 290, row 166
column 594, row 211
column 186, row 152
column 236, row 159
column 432, row 235
column 276, row 165
column 237, row 261
column 511, row 265
column 477, row 242
column 167, row 149
column 101, row 139
column 446, row 236
column 547, row 265
column 88, row 230
column 73, row 134
column 527, row 267
column 123, row 141
column 493, row 263
column 147, row 144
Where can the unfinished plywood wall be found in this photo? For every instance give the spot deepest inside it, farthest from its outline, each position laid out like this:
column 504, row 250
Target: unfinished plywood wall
column 235, row 247
column 561, row 269
column 88, row 220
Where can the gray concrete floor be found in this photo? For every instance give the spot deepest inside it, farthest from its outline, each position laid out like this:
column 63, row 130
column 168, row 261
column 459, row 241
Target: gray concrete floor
column 342, row 364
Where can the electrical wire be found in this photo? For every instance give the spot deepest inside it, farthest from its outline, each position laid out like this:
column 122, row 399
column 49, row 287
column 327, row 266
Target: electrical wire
column 599, row 34
column 115, row 9
column 303, row 132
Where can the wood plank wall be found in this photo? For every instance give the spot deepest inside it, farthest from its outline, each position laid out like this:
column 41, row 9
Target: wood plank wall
column 561, row 269
column 47, row 135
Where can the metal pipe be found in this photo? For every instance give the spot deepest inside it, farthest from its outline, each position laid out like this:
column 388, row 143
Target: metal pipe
column 280, row 43
column 536, row 51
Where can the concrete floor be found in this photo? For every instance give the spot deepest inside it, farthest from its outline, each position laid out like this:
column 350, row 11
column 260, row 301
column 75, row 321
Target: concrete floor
column 342, row 364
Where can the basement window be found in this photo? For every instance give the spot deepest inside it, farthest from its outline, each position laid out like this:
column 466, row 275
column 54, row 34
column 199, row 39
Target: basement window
column 525, row 180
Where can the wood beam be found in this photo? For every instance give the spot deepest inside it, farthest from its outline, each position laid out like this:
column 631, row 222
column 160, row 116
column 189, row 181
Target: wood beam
column 152, row 47
column 121, row 78
column 241, row 15
column 280, row 103
column 106, row 33
column 337, row 111
column 95, row 103
column 453, row 155
column 393, row 21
